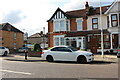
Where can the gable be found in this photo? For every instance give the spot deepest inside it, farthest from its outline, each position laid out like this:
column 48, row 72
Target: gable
column 59, row 14
column 9, row 27
column 115, row 7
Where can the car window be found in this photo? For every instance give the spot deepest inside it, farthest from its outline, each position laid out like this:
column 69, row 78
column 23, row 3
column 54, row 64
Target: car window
column 63, row 49
column 55, row 49
column 72, row 48
column 2, row 48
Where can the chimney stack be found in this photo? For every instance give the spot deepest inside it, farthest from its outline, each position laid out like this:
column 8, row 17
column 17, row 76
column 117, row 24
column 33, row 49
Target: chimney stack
column 87, row 8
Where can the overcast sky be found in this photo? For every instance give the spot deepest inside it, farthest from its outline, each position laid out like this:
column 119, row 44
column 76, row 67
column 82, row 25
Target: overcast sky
column 31, row 15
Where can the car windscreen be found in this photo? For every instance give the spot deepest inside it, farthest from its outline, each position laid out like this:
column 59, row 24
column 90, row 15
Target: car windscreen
column 72, row 48
column 2, row 48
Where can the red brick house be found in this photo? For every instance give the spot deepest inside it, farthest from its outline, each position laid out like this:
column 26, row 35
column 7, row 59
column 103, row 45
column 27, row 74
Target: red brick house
column 10, row 36
column 81, row 28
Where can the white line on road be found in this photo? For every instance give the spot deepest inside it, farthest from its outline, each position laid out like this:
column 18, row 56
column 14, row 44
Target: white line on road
column 16, row 72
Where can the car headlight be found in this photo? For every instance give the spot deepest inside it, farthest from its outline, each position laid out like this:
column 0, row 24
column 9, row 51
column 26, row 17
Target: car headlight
column 88, row 55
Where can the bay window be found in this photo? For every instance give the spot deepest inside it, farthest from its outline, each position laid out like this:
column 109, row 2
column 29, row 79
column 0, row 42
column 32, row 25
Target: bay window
column 59, row 40
column 61, row 25
column 56, row 26
column 56, row 39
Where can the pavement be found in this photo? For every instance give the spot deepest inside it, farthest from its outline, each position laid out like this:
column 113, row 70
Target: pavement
column 20, row 56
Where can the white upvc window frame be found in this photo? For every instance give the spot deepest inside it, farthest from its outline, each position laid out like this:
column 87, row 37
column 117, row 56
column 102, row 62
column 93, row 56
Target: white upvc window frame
column 59, row 28
column 81, row 24
column 59, row 40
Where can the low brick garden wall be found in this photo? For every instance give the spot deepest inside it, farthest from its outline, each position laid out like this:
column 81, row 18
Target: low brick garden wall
column 34, row 54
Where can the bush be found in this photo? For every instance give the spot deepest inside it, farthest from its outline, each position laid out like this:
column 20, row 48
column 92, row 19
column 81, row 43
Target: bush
column 37, row 47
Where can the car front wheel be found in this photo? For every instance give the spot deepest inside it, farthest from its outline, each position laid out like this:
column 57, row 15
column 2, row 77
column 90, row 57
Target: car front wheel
column 81, row 59
column 5, row 53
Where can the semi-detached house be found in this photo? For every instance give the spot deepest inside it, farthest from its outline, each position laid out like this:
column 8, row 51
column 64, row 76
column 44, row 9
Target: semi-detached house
column 81, row 28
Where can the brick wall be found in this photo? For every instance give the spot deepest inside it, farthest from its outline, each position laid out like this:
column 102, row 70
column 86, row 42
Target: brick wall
column 8, row 39
column 73, row 25
column 84, row 24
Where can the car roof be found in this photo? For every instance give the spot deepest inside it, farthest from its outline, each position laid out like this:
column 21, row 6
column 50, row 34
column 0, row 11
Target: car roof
column 60, row 46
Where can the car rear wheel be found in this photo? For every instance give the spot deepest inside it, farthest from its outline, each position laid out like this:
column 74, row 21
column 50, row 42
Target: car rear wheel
column 49, row 59
column 81, row 59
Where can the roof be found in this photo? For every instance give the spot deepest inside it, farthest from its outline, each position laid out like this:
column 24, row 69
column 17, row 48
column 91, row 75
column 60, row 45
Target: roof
column 82, row 12
column 36, row 35
column 9, row 27
column 84, row 33
column 76, row 13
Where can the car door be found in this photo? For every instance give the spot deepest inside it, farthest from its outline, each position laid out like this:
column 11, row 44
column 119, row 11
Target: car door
column 0, row 50
column 67, row 54
column 62, row 54
column 55, row 53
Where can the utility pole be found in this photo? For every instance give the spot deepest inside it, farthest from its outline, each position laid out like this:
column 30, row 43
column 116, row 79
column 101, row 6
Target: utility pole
column 102, row 44
column 44, row 36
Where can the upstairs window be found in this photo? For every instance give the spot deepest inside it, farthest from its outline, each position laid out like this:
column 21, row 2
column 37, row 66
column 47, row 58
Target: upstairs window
column 79, row 25
column 114, row 20
column 15, row 35
column 95, row 23
column 108, row 21
column 61, row 25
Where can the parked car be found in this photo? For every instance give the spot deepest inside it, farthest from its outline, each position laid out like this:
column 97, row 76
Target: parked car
column 118, row 52
column 4, row 51
column 67, row 53
column 22, row 49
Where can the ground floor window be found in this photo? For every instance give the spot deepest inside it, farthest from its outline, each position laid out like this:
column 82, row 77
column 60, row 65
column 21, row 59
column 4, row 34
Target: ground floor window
column 106, row 45
column 59, row 40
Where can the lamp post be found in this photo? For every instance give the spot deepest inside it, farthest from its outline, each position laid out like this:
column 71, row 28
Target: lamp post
column 25, row 39
column 102, row 44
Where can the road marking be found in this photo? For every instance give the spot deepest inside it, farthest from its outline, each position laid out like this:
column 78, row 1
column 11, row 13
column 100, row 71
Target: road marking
column 16, row 72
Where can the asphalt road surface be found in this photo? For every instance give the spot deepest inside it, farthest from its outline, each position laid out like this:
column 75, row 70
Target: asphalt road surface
column 37, row 68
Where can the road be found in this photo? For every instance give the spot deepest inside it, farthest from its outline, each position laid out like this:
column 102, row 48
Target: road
column 17, row 67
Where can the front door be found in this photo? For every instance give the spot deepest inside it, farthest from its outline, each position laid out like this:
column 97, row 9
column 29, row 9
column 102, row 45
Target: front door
column 74, row 44
column 115, row 41
column 94, row 44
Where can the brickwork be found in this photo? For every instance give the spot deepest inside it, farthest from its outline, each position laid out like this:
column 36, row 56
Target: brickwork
column 9, row 40
column 73, row 25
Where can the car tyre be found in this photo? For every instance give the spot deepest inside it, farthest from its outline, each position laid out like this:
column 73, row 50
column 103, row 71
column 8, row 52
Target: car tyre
column 81, row 59
column 5, row 53
column 118, row 56
column 49, row 59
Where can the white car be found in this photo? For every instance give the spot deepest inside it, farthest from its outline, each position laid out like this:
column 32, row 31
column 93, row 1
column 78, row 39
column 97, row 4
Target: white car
column 4, row 51
column 66, row 53
column 22, row 49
